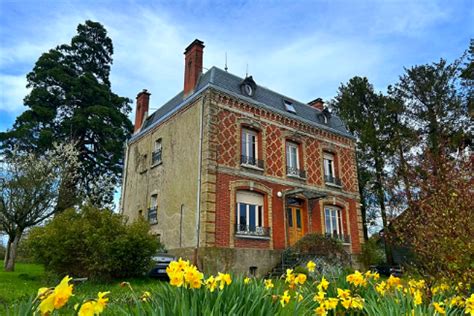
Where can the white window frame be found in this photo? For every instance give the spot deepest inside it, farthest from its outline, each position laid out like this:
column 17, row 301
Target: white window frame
column 335, row 216
column 247, row 135
column 295, row 165
column 328, row 161
column 248, row 199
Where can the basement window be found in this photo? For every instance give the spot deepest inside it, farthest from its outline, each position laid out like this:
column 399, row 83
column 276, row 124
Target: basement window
column 289, row 106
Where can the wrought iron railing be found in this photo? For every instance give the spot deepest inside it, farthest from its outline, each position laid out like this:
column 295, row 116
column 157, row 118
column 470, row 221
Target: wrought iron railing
column 248, row 160
column 292, row 171
column 247, row 230
column 153, row 215
column 156, row 157
column 332, row 180
column 341, row 237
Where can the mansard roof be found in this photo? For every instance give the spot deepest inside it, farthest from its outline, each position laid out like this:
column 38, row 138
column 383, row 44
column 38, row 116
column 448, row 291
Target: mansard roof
column 230, row 84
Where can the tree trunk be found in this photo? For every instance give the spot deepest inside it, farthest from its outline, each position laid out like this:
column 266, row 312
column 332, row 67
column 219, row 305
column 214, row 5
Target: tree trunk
column 10, row 255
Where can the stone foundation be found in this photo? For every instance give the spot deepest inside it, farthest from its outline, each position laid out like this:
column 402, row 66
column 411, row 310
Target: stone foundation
column 211, row 260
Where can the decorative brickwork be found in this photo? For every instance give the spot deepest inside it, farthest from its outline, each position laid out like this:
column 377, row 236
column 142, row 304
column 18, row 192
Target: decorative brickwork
column 348, row 173
column 313, row 162
column 228, row 139
column 275, row 151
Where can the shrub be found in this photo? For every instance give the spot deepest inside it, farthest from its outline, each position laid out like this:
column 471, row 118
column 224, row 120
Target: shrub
column 93, row 243
column 372, row 253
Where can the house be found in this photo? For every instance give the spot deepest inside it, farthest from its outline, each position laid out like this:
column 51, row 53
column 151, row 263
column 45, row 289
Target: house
column 230, row 173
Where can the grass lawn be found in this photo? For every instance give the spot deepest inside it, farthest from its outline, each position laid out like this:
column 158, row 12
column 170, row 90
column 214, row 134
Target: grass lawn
column 29, row 277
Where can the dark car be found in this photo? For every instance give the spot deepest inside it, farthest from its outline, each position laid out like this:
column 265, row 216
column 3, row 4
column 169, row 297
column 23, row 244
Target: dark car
column 161, row 261
column 387, row 270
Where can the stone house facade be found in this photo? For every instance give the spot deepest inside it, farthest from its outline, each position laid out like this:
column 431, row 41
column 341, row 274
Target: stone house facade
column 230, row 173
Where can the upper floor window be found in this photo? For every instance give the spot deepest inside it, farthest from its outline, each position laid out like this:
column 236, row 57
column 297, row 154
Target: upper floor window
column 250, row 217
column 153, row 210
column 249, row 153
column 329, row 170
column 293, row 160
column 156, row 156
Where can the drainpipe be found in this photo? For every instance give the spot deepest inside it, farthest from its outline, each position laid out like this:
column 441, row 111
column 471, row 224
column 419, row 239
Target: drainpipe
column 198, row 198
column 124, row 180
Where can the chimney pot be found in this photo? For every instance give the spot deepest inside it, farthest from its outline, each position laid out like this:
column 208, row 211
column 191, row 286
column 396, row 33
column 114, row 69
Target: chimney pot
column 143, row 103
column 317, row 104
column 192, row 65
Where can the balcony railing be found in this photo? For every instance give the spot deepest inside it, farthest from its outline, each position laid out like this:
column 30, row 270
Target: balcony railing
column 332, row 180
column 346, row 239
column 152, row 215
column 251, row 161
column 156, row 157
column 256, row 231
column 292, row 171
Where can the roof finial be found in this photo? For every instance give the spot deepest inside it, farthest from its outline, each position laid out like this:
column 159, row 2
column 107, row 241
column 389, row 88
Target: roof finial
column 225, row 68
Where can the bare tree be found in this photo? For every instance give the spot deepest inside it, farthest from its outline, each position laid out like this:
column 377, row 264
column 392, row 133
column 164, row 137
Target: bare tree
column 29, row 189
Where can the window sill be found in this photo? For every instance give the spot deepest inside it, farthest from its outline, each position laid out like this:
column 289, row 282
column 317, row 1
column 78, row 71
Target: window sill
column 251, row 167
column 153, row 223
column 295, row 176
column 330, row 184
column 245, row 236
column 156, row 164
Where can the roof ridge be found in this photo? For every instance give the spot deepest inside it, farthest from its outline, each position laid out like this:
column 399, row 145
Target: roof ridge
column 268, row 89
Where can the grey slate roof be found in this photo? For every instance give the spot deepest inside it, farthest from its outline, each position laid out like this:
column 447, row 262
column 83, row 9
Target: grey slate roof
column 229, row 83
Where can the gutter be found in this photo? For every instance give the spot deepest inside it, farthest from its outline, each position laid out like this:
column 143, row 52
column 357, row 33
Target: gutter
column 198, row 198
column 124, row 180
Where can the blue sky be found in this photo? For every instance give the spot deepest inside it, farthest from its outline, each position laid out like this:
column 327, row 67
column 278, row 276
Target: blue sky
column 304, row 49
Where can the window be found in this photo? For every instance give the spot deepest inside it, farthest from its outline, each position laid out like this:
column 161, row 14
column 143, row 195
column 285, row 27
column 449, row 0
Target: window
column 156, row 155
column 333, row 222
column 289, row 106
column 249, row 212
column 292, row 159
column 250, row 148
column 329, row 173
column 153, row 210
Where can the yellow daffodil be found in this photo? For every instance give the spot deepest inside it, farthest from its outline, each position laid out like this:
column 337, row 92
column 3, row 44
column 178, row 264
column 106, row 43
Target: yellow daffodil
column 469, row 305
column 438, row 308
column 417, row 297
column 381, row 288
column 101, row 302
column 298, row 297
column 331, row 303
column 394, row 282
column 343, row 294
column 55, row 298
column 456, row 301
column 146, row 296
column 311, row 266
column 223, row 279
column 321, row 311
column 323, row 285
column 211, row 283
column 268, row 284
column 356, row 279
column 285, row 298
column 319, row 297
column 300, row 278
column 87, row 309
column 247, row 280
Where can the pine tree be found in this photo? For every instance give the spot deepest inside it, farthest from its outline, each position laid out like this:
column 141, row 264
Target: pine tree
column 71, row 100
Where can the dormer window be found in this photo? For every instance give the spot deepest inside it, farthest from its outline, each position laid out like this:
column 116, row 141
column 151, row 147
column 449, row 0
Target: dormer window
column 248, row 87
column 289, row 106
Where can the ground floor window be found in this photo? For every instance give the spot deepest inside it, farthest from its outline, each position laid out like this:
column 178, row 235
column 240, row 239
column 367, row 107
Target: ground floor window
column 250, row 214
column 333, row 222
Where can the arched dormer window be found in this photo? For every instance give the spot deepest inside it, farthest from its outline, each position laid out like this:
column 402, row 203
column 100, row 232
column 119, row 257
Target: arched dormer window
column 248, row 87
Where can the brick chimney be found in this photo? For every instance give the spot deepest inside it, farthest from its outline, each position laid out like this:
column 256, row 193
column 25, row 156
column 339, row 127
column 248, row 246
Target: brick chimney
column 317, row 104
column 141, row 113
column 192, row 65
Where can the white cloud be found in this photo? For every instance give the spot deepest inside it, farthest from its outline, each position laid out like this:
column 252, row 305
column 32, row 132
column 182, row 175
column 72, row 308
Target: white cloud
column 12, row 91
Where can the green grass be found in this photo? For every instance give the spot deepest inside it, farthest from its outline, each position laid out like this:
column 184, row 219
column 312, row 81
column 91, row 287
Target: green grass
column 29, row 277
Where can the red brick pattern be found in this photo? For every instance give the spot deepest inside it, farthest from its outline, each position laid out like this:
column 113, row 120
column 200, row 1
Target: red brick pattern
column 274, row 161
column 313, row 162
column 228, row 146
column 346, row 159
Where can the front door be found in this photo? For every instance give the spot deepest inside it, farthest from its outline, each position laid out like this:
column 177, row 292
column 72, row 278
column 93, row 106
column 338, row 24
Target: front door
column 294, row 218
